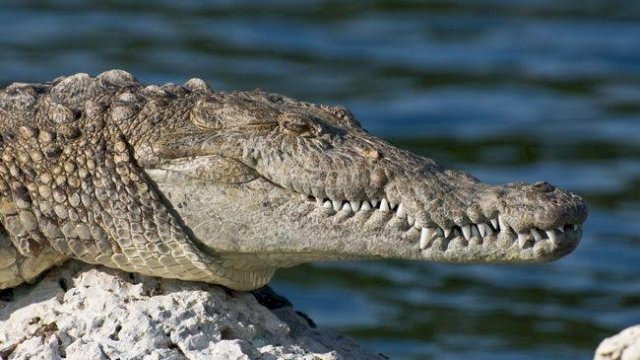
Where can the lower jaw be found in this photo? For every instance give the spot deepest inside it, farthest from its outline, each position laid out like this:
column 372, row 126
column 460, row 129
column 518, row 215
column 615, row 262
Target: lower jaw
column 501, row 247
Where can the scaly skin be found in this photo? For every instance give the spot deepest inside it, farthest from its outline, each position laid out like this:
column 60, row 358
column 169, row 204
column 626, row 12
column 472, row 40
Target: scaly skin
column 182, row 182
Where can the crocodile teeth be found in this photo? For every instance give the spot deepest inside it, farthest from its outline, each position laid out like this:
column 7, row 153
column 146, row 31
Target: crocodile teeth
column 384, row 205
column 522, row 240
column 466, row 231
column 475, row 232
column 346, row 207
column 536, row 234
column 552, row 236
column 503, row 225
column 482, row 229
column 401, row 212
column 426, row 234
column 489, row 229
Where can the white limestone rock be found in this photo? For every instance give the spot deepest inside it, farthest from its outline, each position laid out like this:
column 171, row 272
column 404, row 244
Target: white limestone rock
column 622, row 346
column 82, row 312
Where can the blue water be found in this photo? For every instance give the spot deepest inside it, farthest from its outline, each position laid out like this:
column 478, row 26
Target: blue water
column 508, row 90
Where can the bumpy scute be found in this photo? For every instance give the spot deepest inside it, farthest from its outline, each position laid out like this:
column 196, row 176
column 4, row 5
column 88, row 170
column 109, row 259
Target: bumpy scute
column 72, row 189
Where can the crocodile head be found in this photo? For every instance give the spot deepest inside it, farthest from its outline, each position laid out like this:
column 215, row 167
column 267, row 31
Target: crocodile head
column 265, row 181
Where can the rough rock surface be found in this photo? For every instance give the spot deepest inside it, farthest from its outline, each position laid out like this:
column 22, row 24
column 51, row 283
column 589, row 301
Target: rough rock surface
column 81, row 312
column 623, row 346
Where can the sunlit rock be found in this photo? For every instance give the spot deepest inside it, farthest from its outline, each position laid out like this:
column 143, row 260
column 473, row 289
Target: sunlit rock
column 623, row 346
column 80, row 312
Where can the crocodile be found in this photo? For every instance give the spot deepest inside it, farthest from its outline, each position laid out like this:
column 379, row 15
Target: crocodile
column 180, row 181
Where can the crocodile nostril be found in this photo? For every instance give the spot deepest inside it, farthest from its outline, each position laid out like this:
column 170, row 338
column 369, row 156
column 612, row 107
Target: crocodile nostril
column 543, row 186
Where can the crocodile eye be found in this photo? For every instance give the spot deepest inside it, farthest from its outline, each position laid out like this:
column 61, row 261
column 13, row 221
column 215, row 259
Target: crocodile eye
column 300, row 125
column 296, row 127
